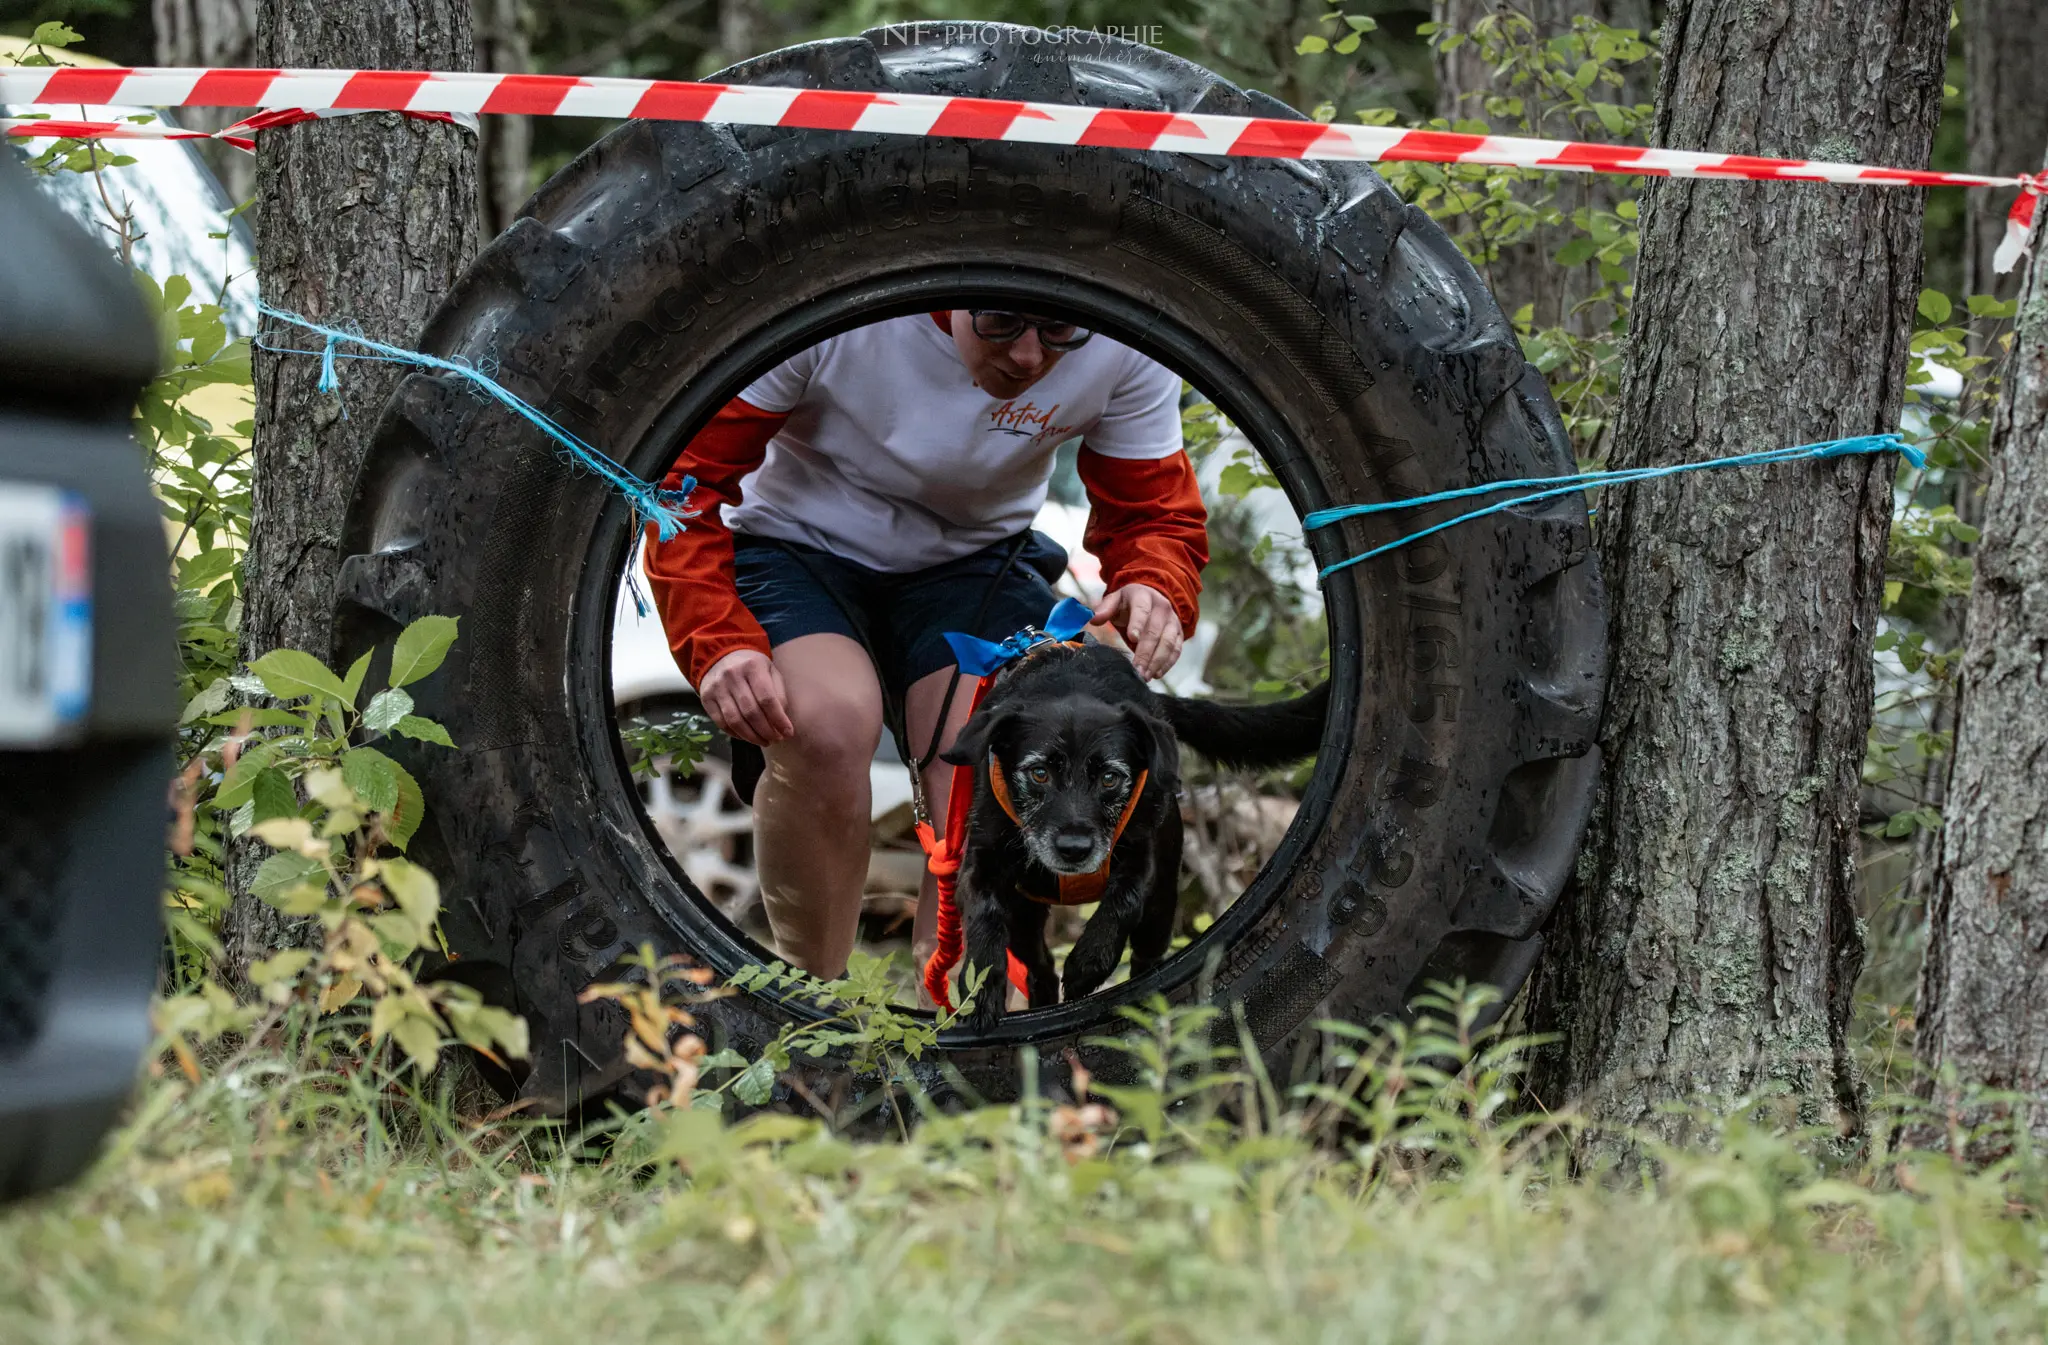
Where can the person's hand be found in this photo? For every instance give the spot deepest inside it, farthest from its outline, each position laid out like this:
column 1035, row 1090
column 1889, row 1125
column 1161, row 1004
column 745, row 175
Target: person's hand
column 1149, row 626
column 744, row 696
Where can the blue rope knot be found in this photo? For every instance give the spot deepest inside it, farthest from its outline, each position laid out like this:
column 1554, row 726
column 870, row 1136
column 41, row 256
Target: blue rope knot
column 1552, row 486
column 664, row 508
column 329, row 380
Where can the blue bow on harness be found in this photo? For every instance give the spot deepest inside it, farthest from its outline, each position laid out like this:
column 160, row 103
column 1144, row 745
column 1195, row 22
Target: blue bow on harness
column 979, row 658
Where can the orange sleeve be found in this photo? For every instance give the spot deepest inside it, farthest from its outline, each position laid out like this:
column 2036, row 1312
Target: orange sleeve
column 691, row 573
column 1147, row 525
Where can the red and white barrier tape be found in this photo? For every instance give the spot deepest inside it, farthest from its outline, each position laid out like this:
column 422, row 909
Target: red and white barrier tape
column 421, row 92
column 242, row 135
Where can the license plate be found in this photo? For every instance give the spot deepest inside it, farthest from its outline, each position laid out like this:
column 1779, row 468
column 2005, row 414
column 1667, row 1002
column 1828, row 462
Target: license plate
column 45, row 613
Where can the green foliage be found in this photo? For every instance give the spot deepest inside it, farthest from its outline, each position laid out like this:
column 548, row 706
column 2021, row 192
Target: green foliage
column 1415, row 1200
column 857, row 1021
column 65, row 155
column 303, row 776
column 1564, row 86
column 1268, row 636
column 677, row 737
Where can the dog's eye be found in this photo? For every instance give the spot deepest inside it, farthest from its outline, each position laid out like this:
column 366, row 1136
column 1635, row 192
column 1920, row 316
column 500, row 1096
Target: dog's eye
column 1110, row 781
column 1039, row 775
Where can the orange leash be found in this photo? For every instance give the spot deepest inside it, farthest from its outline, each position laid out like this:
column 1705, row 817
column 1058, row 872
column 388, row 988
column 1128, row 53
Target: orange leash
column 942, row 857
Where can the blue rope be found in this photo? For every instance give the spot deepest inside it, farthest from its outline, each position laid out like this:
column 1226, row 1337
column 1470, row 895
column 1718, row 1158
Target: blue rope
column 664, row 508
column 1567, row 485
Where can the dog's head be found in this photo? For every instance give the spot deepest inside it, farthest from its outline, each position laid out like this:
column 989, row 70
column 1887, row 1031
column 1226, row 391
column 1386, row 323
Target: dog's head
column 1071, row 765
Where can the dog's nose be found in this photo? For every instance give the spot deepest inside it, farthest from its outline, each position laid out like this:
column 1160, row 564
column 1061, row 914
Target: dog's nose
column 1073, row 846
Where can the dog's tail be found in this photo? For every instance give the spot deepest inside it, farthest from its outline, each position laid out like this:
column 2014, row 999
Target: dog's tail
column 1250, row 737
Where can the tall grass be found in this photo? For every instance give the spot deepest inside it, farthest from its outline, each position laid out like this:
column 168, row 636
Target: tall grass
column 297, row 1194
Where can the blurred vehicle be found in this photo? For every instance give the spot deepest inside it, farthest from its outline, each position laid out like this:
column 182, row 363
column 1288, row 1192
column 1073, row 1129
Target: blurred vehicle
column 87, row 694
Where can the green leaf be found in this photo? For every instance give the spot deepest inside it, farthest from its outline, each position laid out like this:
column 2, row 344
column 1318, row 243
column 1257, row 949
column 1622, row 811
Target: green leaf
column 282, row 872
column 1346, row 45
column 1577, row 252
column 269, row 717
column 285, row 966
column 1610, row 117
column 234, row 791
column 1935, row 306
column 373, row 776
column 208, row 702
column 1361, row 23
column 420, row 649
column 413, row 888
column 273, row 795
column 1984, row 306
column 353, row 682
column 386, row 709
column 1308, row 46
column 404, row 820
column 422, row 1042
column 289, row 674
column 725, row 1059
column 54, row 34
column 756, row 1084
column 202, row 570
column 424, row 730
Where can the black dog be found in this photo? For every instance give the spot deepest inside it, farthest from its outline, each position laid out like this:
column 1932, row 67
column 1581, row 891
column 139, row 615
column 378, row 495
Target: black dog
column 1076, row 774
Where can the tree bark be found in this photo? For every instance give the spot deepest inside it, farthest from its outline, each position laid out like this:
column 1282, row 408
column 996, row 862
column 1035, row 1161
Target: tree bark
column 2005, row 60
column 1710, row 943
column 365, row 220
column 1525, row 273
column 2005, row 46
column 1984, row 984
column 210, row 33
column 505, row 145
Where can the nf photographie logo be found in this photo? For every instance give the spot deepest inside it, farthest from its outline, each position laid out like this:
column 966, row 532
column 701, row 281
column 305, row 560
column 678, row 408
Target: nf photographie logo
column 958, row 32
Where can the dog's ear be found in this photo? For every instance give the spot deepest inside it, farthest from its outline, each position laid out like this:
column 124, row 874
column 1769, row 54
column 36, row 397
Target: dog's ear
column 978, row 735
column 1162, row 748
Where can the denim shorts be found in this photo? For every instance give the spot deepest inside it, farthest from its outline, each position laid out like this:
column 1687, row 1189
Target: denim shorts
column 794, row 590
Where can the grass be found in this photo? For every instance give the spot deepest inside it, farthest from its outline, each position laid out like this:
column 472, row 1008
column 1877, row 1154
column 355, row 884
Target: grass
column 277, row 1199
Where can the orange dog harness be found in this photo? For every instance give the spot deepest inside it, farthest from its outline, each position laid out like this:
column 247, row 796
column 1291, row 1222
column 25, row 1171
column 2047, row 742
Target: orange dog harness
column 1075, row 889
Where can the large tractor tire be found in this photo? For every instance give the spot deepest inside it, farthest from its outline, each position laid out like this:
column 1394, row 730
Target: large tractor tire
column 667, row 266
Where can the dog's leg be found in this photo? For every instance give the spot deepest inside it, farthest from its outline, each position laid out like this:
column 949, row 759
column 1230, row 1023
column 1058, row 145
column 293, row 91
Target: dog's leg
column 1101, row 944
column 988, row 944
column 1152, row 935
column 1027, row 941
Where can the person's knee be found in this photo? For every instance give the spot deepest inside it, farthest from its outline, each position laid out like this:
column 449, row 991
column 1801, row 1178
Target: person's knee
column 836, row 734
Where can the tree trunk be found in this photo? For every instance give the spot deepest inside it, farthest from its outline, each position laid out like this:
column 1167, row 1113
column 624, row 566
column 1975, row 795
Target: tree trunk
column 210, row 33
column 1524, row 273
column 1710, row 945
column 2005, row 59
column 1984, row 984
column 2005, row 46
column 505, row 147
column 364, row 220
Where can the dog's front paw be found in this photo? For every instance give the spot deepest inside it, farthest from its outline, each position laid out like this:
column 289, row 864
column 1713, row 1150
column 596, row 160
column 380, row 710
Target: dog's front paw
column 989, row 1004
column 1085, row 974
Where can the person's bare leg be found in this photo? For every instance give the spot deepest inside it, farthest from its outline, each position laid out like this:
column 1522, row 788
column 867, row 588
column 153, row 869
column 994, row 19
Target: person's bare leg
column 811, row 809
column 921, row 709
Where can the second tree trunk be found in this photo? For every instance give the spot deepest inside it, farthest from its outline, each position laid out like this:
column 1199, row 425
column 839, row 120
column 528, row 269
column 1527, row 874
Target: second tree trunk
column 1711, row 945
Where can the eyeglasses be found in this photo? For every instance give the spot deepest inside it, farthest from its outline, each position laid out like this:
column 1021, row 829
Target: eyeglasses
column 1001, row 327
